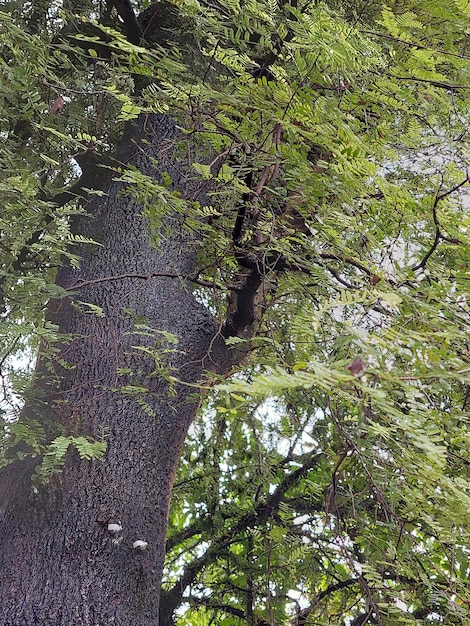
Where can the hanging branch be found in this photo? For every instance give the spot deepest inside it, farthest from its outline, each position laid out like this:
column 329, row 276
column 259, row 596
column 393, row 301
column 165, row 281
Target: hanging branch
column 439, row 235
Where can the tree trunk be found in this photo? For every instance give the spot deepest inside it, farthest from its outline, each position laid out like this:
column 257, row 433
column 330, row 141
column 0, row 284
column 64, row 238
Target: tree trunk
column 59, row 564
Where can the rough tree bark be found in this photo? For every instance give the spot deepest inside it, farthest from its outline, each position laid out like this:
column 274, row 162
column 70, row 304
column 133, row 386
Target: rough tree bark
column 59, row 565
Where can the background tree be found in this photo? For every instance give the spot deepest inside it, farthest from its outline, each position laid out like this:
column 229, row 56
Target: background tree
column 268, row 200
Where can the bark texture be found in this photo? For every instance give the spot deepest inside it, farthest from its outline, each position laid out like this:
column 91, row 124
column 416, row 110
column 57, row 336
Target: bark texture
column 59, row 565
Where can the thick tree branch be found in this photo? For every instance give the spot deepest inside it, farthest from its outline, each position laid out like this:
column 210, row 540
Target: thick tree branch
column 258, row 517
column 200, row 526
column 205, row 523
column 246, row 305
column 126, row 13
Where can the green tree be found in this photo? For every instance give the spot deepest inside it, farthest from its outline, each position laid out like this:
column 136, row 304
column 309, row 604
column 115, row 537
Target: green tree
column 253, row 214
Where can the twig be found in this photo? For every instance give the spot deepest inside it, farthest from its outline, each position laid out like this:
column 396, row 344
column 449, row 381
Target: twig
column 203, row 283
column 413, row 44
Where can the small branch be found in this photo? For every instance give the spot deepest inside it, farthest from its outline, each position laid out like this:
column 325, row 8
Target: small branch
column 302, row 617
column 348, row 260
column 8, row 351
column 253, row 197
column 363, row 618
column 438, row 234
column 429, row 253
column 226, row 608
column 90, row 176
column 190, row 277
column 412, row 44
column 245, row 306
